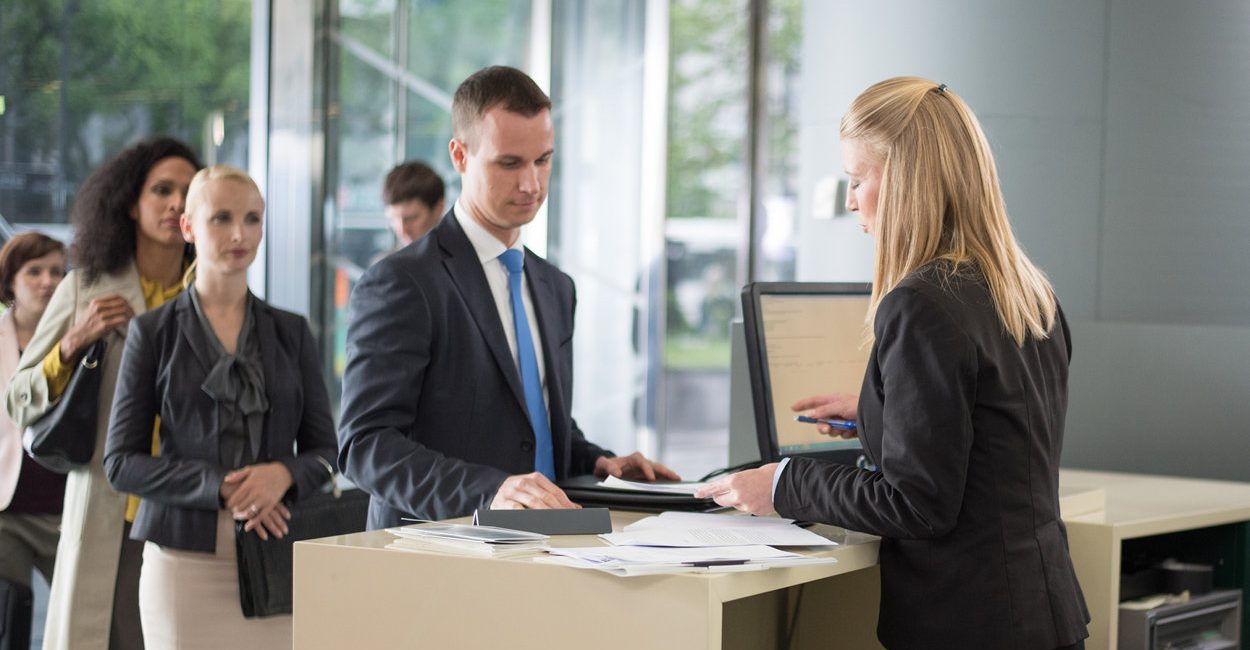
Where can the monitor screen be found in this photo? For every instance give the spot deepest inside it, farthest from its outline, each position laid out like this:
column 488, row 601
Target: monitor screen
column 803, row 339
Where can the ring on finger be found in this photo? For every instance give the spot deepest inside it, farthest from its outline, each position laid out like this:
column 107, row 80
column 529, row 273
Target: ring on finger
column 253, row 509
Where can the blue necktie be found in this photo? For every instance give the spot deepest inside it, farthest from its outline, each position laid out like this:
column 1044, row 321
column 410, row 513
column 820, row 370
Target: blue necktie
column 544, row 457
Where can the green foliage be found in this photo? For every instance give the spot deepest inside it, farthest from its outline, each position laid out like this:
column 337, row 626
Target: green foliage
column 709, row 77
column 687, row 352
column 784, row 52
column 708, row 86
column 707, row 107
column 119, row 70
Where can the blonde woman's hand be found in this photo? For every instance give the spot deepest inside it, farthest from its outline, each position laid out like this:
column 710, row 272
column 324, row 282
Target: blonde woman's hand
column 254, row 489
column 836, row 406
column 271, row 521
column 102, row 314
column 750, row 490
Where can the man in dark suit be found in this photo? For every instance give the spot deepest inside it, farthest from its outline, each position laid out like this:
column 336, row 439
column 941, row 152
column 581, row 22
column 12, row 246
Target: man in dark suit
column 459, row 380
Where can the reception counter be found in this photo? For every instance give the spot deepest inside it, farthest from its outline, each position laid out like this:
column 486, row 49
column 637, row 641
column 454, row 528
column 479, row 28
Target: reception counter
column 352, row 592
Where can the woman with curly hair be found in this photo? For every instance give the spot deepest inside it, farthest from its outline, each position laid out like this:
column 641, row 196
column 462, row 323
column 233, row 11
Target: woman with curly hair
column 128, row 256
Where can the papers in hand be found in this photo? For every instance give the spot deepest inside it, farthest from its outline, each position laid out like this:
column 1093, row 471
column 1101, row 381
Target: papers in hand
column 697, row 529
column 638, row 561
column 481, row 541
column 680, row 487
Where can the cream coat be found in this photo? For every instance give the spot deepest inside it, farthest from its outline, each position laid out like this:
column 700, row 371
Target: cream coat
column 10, row 433
column 81, row 602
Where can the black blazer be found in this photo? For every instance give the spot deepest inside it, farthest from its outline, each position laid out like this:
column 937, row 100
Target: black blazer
column 966, row 428
column 433, row 415
column 161, row 375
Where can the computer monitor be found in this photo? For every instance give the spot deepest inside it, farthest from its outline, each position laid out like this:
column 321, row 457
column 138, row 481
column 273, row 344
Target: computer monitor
column 803, row 339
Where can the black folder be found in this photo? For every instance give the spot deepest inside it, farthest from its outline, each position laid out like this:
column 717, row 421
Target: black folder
column 586, row 492
column 587, row 521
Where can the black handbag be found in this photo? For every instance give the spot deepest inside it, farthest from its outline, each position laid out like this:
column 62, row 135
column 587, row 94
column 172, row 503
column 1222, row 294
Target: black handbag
column 266, row 566
column 64, row 438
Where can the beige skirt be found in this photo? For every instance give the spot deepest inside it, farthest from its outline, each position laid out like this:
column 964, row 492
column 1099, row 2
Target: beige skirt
column 190, row 600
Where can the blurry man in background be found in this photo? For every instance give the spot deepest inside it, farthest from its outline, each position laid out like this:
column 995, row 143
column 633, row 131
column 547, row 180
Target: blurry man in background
column 413, row 194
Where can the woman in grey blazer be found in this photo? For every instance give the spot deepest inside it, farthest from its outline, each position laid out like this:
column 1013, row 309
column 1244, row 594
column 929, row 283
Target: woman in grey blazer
column 245, row 427
column 963, row 402
column 128, row 256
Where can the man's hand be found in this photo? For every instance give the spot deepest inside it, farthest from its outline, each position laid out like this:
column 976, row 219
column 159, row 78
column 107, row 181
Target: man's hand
column 530, row 491
column 749, row 490
column 836, row 406
column 633, row 467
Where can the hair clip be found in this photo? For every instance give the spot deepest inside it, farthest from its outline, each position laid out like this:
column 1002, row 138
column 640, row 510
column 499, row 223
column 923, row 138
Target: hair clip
column 941, row 89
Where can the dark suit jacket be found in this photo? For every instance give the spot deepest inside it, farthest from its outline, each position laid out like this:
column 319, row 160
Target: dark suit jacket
column 433, row 416
column 966, row 428
column 161, row 374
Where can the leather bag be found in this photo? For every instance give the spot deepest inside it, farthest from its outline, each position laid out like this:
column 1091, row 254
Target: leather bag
column 64, row 438
column 266, row 566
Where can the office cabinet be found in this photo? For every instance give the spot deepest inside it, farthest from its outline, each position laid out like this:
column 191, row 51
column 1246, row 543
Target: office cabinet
column 1211, row 621
column 1193, row 520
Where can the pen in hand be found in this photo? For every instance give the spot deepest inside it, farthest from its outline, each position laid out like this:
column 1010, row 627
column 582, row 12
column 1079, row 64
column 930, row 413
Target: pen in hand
column 846, row 425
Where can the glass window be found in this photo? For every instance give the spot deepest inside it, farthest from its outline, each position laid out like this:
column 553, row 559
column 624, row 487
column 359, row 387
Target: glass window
column 595, row 211
column 394, row 65
column 779, row 143
column 652, row 332
column 79, row 81
column 704, row 229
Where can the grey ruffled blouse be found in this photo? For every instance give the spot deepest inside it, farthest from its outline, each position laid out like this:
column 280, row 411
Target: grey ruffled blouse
column 236, row 383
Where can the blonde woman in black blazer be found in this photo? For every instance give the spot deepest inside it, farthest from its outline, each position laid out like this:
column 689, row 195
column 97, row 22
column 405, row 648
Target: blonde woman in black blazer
column 244, row 426
column 963, row 402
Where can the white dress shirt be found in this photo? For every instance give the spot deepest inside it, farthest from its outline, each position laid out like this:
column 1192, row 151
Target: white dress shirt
column 488, row 250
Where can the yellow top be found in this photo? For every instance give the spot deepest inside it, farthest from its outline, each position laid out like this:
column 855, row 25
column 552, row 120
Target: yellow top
column 58, row 374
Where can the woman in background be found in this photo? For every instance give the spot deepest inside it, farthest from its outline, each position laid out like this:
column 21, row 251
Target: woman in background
column 963, row 401
column 245, row 425
column 128, row 256
column 31, row 267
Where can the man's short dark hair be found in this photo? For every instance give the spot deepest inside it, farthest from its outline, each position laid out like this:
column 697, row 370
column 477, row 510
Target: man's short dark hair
column 487, row 88
column 413, row 180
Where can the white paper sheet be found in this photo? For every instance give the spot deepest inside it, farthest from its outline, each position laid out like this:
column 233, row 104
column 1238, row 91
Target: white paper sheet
column 690, row 529
column 686, row 520
column 635, row 561
column 685, row 487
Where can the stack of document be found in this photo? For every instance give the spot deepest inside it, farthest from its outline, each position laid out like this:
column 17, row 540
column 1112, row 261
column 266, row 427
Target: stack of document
column 641, row 561
column 683, row 542
column 671, row 487
column 700, row 529
column 673, row 542
column 479, row 541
